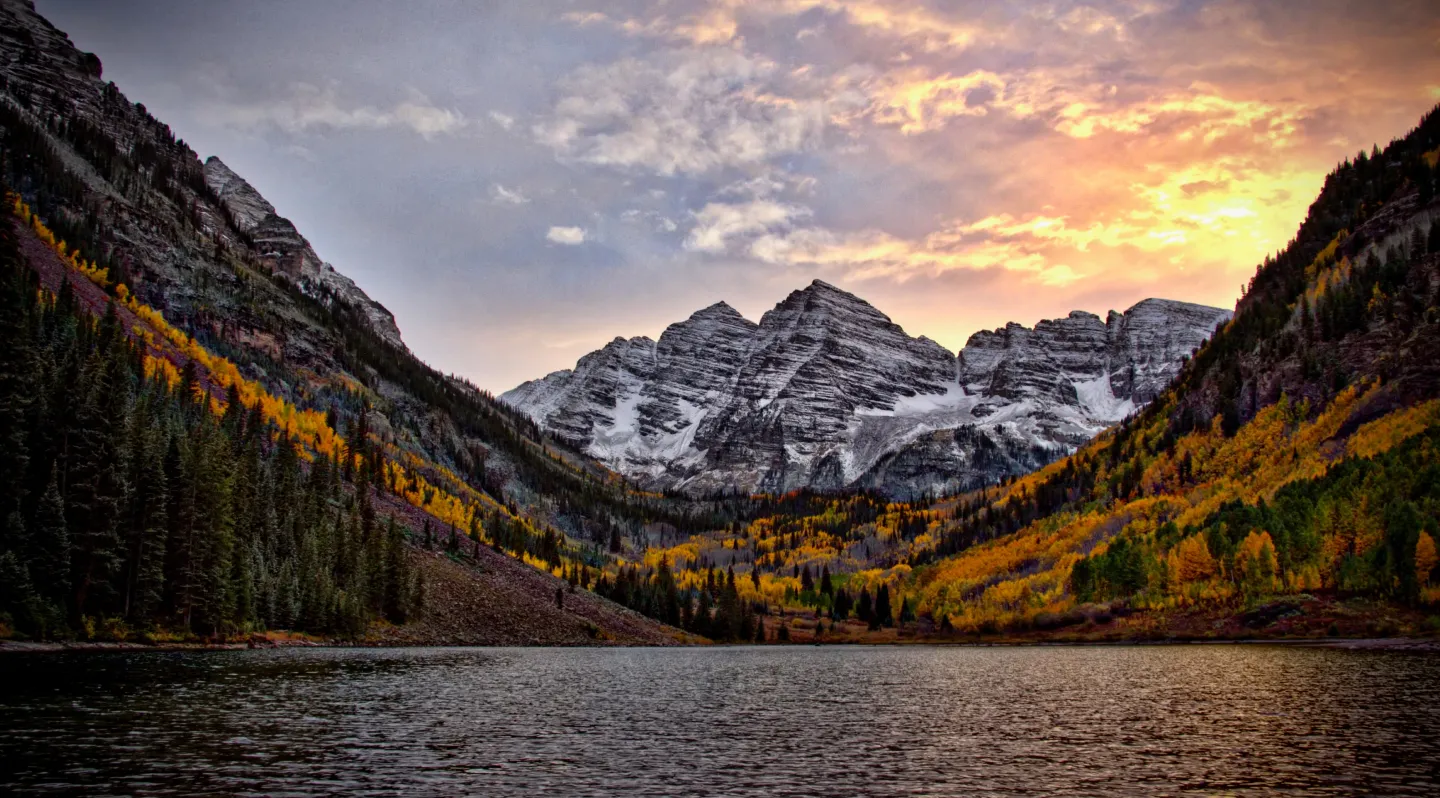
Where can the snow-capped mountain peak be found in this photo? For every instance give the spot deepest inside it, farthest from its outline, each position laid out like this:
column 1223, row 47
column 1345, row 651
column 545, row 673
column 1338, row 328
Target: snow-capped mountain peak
column 827, row 392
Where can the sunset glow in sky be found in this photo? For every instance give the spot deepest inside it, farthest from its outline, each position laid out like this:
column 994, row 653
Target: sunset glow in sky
column 520, row 184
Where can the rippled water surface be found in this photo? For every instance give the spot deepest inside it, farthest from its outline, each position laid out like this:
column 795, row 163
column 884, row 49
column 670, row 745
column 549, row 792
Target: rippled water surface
column 725, row 721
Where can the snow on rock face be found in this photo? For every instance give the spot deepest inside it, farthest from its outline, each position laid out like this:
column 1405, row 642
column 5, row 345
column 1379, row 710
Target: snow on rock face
column 827, row 392
column 287, row 251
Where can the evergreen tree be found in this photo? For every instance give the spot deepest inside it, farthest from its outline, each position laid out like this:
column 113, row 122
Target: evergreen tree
column 883, row 615
column 50, row 548
column 145, row 553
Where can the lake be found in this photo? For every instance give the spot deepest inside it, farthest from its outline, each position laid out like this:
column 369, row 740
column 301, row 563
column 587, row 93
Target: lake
column 1226, row 720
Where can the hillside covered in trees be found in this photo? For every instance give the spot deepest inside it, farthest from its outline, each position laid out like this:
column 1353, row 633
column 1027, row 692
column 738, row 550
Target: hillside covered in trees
column 175, row 303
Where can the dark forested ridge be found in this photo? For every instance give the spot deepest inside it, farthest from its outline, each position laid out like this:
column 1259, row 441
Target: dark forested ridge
column 129, row 208
column 127, row 499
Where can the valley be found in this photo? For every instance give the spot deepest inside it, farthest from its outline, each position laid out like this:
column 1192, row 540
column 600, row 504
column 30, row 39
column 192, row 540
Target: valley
column 209, row 434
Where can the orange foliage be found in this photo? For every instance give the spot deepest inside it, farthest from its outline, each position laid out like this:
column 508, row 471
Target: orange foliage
column 1014, row 578
column 1425, row 558
column 1191, row 561
column 1255, row 562
column 71, row 258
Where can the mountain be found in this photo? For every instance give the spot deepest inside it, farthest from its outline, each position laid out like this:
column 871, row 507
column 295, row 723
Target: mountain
column 827, row 392
column 160, row 308
column 286, row 252
column 1285, row 483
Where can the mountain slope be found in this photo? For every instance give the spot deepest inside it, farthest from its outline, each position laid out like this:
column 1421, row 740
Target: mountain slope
column 1287, row 483
column 214, row 287
column 286, row 252
column 826, row 392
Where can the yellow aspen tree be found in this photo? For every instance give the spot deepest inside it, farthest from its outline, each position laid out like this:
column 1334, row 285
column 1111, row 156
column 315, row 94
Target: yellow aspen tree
column 1425, row 558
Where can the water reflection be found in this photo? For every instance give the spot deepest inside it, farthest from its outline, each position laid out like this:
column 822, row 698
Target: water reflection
column 742, row 721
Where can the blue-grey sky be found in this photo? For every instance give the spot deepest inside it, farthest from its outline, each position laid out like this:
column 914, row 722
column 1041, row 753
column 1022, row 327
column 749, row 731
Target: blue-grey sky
column 519, row 182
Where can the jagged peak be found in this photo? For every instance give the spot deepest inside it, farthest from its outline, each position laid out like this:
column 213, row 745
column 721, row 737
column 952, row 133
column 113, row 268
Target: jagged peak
column 218, row 169
column 621, row 343
column 247, row 205
column 821, row 295
column 820, row 288
column 719, row 310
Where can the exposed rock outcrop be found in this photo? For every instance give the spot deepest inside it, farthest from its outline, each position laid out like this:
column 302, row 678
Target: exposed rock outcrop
column 287, row 252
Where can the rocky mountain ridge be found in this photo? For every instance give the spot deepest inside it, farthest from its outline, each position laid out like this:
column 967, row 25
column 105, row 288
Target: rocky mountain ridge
column 827, row 392
column 287, row 252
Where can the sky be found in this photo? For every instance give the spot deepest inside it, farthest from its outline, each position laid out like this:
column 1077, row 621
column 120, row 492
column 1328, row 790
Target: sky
column 520, row 182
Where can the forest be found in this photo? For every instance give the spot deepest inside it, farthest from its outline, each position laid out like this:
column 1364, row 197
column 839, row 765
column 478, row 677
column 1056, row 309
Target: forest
column 129, row 501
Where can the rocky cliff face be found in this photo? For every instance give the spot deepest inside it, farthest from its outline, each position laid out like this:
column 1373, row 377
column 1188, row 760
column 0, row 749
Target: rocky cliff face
column 826, row 392
column 196, row 241
column 287, row 252
column 163, row 210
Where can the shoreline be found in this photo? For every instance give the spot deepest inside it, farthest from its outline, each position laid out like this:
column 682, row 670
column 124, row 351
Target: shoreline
column 1412, row 644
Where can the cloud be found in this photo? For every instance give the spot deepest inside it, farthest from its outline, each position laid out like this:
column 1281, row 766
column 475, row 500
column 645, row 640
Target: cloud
column 309, row 107
column 657, row 221
column 686, row 112
column 570, row 236
column 872, row 254
column 720, row 22
column 501, row 195
column 1076, row 103
column 719, row 222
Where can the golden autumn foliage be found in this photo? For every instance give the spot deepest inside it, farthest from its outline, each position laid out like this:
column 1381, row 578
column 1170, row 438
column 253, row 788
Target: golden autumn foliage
column 1191, row 561
column 69, row 257
column 1425, row 558
column 1016, row 578
column 1255, row 562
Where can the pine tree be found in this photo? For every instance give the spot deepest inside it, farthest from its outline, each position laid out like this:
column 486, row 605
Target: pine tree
column 96, row 484
column 50, row 547
column 883, row 615
column 907, row 611
column 16, row 387
column 148, row 525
